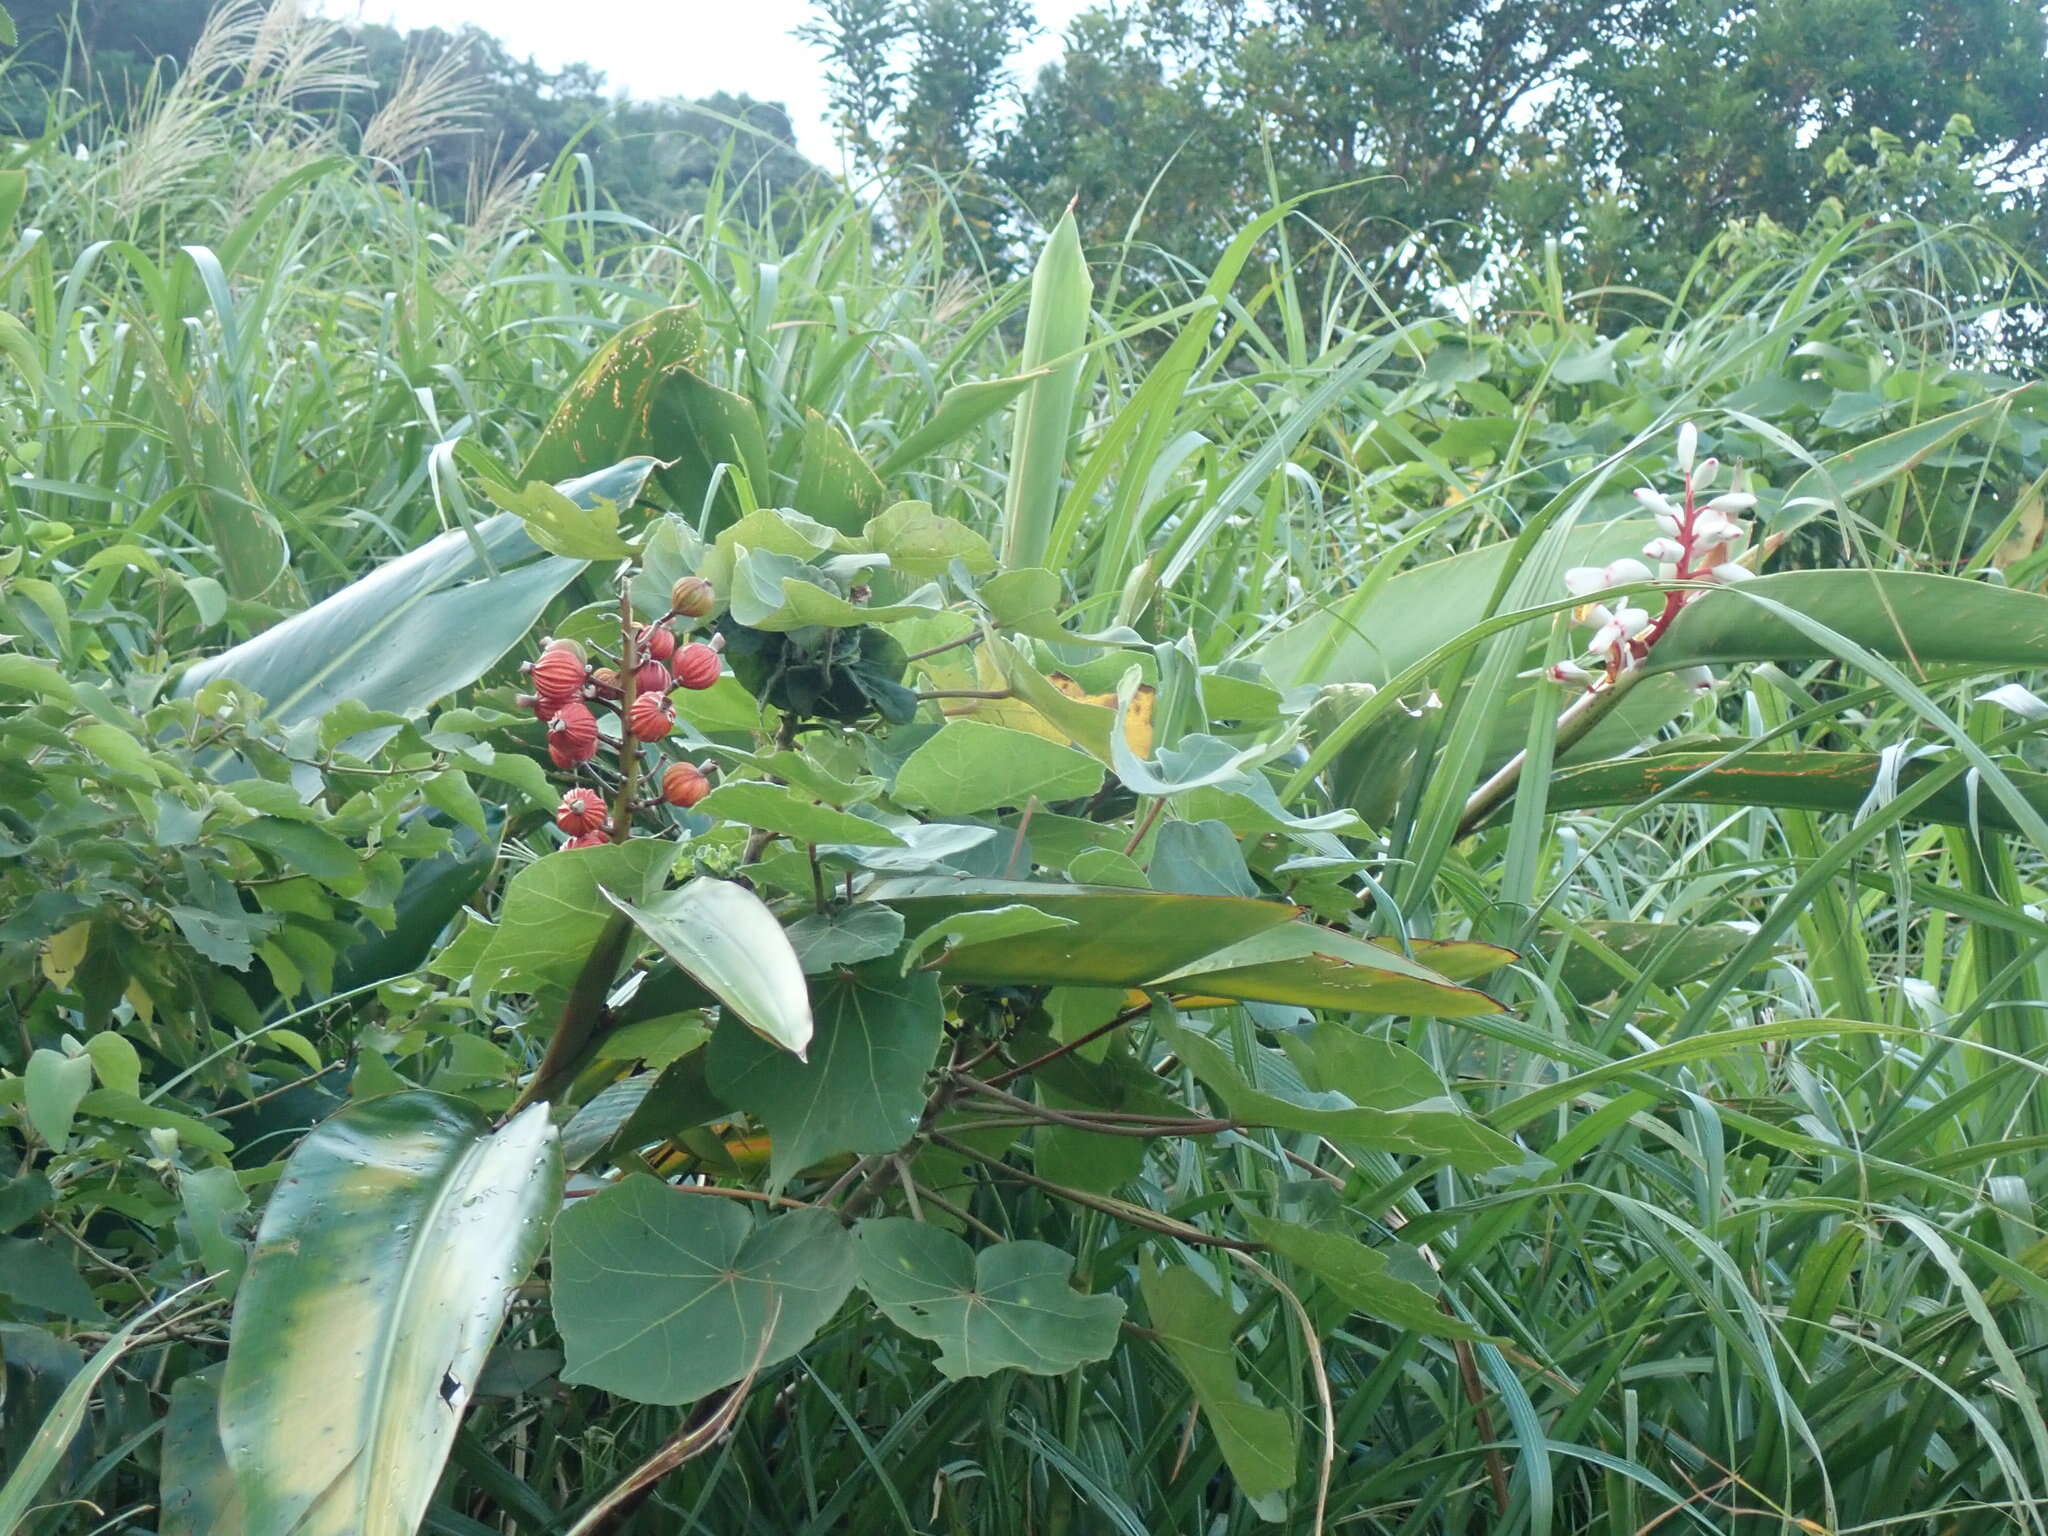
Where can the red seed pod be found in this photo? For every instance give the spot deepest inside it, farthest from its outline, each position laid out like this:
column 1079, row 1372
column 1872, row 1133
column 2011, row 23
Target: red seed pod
column 684, row 784
column 581, row 811
column 586, row 840
column 692, row 597
column 657, row 642
column 559, row 673
column 696, row 665
column 558, row 754
column 651, row 719
column 542, row 709
column 574, row 731
column 606, row 682
column 652, row 677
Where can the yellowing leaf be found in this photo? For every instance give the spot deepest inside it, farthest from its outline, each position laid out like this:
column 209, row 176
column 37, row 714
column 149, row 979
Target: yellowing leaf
column 64, row 952
column 1137, row 719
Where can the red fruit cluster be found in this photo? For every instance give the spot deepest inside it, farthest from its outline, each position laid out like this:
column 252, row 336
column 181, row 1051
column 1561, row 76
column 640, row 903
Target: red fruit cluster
column 586, row 840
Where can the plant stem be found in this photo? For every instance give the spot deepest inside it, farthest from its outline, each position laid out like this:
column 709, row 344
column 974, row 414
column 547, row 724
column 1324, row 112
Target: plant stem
column 1072, row 1045
column 1123, row 1210
column 582, row 1014
column 629, row 749
column 1583, row 713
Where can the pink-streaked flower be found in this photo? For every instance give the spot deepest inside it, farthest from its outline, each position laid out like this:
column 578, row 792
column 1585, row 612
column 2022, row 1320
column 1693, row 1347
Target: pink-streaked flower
column 1618, row 627
column 1711, row 529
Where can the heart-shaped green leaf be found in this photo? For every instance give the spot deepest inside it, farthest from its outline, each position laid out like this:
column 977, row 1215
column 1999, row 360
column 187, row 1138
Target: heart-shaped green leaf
column 663, row 1296
column 863, row 1088
column 1010, row 1306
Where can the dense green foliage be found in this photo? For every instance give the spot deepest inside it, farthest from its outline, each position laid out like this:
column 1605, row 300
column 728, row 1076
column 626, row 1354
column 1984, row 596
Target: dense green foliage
column 1275, row 1059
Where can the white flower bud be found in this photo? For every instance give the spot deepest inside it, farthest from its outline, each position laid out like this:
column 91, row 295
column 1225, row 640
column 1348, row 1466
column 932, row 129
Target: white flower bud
column 1699, row 679
column 1656, row 503
column 1585, row 580
column 1688, row 445
column 1703, row 475
column 1731, row 502
column 1661, row 549
column 1569, row 672
column 1731, row 573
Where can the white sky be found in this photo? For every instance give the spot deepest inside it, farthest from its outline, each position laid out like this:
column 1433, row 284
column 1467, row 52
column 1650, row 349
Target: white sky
column 655, row 48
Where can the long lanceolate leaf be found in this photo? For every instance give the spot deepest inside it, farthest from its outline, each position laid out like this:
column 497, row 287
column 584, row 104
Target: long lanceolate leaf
column 381, row 1273
column 1057, row 327
column 419, row 628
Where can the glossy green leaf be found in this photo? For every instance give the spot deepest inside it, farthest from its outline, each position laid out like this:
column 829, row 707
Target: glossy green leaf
column 923, row 546
column 987, row 926
column 1359, row 1277
column 1198, row 1328
column 781, row 809
column 418, row 628
column 781, row 593
column 300, row 847
column 968, row 766
column 1315, row 967
column 588, row 530
column 862, row 1090
column 381, row 1273
column 722, row 935
column 1917, row 618
column 55, row 1083
column 552, row 912
column 1798, row 780
column 663, row 1296
column 1365, row 1097
column 845, row 935
column 1007, row 1307
column 1121, row 938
